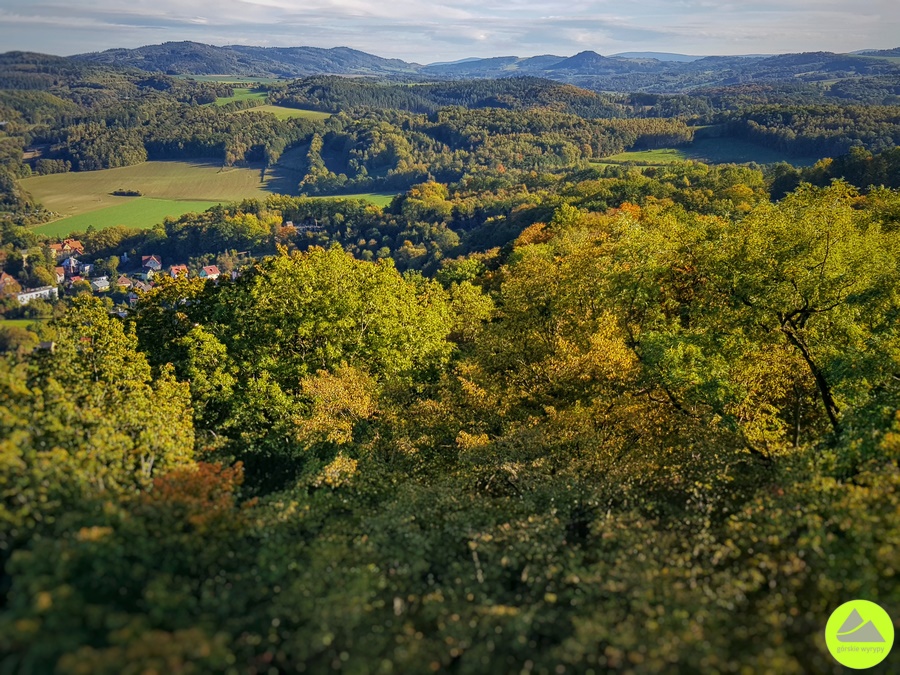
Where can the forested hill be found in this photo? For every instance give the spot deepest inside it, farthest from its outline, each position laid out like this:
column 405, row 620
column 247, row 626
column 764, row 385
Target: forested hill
column 587, row 68
column 193, row 58
column 333, row 94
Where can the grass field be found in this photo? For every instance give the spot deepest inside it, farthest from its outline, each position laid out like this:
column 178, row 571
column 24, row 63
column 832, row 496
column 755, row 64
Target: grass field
column 140, row 213
column 231, row 79
column 376, row 198
column 242, row 95
column 17, row 323
column 709, row 151
column 169, row 189
column 283, row 113
column 71, row 194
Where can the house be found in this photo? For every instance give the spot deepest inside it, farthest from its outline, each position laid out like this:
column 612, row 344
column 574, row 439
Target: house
column 43, row 293
column 75, row 280
column 86, row 269
column 73, row 247
column 210, row 272
column 133, row 298
column 8, row 283
column 141, row 286
column 71, row 266
column 151, row 262
column 124, row 282
column 100, row 284
column 60, row 274
column 69, row 247
column 176, row 270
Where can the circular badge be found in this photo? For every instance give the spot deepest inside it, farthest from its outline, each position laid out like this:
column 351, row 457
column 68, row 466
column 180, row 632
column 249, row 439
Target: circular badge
column 859, row 634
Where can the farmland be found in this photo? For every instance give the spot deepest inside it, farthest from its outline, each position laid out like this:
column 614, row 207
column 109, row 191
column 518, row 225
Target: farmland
column 242, row 94
column 709, row 151
column 72, row 194
column 84, row 199
column 283, row 113
column 139, row 213
column 231, row 79
column 17, row 323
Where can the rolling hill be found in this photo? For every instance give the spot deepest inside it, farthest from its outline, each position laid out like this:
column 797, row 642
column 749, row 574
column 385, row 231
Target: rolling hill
column 638, row 71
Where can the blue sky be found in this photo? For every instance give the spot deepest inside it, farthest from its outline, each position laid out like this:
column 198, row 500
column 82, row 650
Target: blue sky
column 438, row 30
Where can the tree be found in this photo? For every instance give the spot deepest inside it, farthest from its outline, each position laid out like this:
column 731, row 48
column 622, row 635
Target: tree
column 85, row 419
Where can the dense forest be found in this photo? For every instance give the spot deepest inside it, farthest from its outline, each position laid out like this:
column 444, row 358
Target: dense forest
column 631, row 438
column 539, row 414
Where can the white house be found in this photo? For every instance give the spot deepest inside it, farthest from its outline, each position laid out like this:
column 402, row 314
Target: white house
column 210, row 272
column 100, row 284
column 43, row 293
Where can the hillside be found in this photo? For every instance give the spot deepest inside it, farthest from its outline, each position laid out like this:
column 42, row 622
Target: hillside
column 653, row 72
column 192, row 58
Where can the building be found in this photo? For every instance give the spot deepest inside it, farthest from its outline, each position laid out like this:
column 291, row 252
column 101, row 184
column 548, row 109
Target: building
column 124, row 282
column 210, row 272
column 71, row 266
column 86, row 269
column 151, row 262
column 100, row 284
column 176, row 270
column 68, row 248
column 60, row 274
column 43, row 293
column 8, row 284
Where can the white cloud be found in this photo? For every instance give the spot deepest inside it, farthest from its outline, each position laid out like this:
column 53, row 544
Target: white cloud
column 430, row 31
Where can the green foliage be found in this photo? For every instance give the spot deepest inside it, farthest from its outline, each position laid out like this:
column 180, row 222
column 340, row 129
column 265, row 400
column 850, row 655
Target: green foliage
column 640, row 421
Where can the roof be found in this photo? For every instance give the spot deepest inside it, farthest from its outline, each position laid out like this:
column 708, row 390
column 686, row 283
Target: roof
column 59, row 270
column 211, row 270
column 178, row 269
column 6, row 278
column 124, row 281
column 151, row 258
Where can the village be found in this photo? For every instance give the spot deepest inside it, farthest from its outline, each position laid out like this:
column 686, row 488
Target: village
column 132, row 278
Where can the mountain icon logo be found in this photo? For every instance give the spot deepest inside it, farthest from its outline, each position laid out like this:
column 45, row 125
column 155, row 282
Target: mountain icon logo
column 857, row 629
column 859, row 634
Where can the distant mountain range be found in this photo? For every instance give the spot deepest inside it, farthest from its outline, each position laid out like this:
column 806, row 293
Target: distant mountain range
column 193, row 58
column 631, row 71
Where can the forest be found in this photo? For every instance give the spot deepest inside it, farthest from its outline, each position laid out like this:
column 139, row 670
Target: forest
column 630, row 438
column 540, row 414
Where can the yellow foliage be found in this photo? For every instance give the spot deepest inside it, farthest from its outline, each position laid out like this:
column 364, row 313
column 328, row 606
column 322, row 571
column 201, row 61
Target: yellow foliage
column 338, row 473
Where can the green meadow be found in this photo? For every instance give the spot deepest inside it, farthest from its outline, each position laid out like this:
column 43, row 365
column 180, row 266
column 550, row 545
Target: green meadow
column 708, row 151
column 72, row 194
column 232, row 79
column 242, row 94
column 140, row 213
column 85, row 199
column 17, row 323
column 283, row 113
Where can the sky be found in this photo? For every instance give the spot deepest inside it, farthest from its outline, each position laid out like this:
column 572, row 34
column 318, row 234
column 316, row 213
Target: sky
column 426, row 31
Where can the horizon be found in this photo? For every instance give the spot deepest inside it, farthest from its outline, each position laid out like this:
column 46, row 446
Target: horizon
column 420, row 32
column 439, row 61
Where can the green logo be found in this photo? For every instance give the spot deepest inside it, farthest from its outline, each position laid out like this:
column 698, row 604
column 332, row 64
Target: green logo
column 859, row 634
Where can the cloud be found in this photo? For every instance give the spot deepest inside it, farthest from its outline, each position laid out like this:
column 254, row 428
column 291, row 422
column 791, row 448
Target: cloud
column 433, row 31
